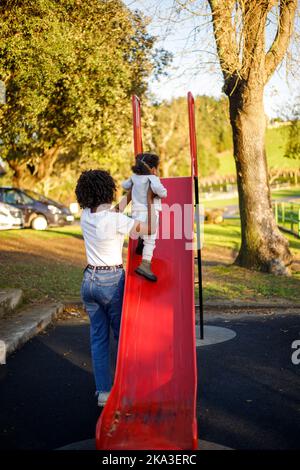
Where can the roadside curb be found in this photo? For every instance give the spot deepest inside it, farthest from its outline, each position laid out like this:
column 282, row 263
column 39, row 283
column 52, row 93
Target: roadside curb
column 17, row 329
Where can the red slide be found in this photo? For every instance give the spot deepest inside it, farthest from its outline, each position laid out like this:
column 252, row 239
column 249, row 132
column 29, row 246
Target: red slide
column 152, row 404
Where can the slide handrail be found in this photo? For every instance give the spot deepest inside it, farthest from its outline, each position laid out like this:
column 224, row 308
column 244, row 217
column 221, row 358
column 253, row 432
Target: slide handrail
column 192, row 130
column 137, row 126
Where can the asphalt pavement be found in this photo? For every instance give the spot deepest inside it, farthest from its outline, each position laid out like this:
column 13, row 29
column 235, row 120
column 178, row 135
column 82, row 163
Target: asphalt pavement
column 248, row 387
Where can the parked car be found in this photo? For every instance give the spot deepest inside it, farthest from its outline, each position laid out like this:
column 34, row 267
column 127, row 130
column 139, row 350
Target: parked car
column 10, row 217
column 39, row 212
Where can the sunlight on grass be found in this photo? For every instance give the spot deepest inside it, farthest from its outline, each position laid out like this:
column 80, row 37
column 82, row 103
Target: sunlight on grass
column 228, row 235
column 233, row 282
column 225, row 235
column 45, row 271
column 43, row 280
column 68, row 230
column 276, row 139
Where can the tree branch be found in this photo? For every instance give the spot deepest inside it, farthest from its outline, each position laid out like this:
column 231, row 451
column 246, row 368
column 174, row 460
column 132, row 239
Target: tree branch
column 225, row 37
column 284, row 31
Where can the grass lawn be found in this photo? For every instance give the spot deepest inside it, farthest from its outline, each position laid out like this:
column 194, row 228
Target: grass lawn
column 48, row 265
column 276, row 139
column 223, row 280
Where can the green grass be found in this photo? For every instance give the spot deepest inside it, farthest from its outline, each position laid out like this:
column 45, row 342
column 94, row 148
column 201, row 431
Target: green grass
column 48, row 266
column 225, row 235
column 286, row 193
column 276, row 139
column 25, row 234
column 232, row 282
column 43, row 281
column 228, row 235
column 219, row 203
column 238, row 283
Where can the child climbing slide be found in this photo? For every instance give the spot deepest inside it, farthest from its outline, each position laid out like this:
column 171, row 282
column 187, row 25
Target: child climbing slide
column 145, row 174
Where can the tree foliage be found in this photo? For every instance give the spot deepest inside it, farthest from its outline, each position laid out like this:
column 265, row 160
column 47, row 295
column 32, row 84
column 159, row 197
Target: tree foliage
column 293, row 144
column 247, row 63
column 70, row 67
column 170, row 135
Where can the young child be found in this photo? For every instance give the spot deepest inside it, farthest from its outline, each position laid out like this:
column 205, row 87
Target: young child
column 145, row 174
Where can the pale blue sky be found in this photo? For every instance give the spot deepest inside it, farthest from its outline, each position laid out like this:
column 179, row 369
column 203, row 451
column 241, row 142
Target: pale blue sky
column 194, row 67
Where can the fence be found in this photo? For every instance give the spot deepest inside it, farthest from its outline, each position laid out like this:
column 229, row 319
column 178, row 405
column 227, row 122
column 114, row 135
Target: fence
column 277, row 178
column 287, row 215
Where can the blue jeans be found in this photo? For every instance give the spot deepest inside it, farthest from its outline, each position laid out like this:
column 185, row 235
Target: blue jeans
column 102, row 295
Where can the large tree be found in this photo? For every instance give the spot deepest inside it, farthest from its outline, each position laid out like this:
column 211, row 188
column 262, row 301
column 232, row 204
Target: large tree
column 247, row 66
column 239, row 28
column 70, row 67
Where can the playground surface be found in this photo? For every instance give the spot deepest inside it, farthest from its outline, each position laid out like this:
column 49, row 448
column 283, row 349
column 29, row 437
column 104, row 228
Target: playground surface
column 247, row 397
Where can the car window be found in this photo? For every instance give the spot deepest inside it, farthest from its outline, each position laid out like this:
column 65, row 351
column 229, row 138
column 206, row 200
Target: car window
column 11, row 196
column 37, row 196
column 26, row 199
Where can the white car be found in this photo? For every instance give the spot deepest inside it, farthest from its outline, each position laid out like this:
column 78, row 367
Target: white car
column 10, row 217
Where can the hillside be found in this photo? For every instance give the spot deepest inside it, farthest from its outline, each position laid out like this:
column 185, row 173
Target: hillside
column 275, row 145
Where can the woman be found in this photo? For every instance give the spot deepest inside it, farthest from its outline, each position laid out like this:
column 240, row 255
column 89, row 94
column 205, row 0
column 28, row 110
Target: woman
column 104, row 229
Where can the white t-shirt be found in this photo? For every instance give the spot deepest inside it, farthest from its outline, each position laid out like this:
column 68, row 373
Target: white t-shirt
column 103, row 234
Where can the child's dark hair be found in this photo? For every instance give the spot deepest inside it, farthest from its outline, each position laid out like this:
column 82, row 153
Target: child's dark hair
column 144, row 163
column 95, row 187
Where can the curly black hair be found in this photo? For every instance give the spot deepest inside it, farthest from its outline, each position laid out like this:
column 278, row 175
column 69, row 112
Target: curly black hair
column 95, row 187
column 144, row 162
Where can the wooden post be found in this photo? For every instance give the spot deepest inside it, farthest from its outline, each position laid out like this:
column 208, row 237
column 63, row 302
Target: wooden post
column 283, row 212
column 276, row 212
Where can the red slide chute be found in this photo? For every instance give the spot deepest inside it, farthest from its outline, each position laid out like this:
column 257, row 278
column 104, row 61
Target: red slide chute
column 152, row 404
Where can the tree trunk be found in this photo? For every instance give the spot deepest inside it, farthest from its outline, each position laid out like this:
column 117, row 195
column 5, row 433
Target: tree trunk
column 41, row 169
column 263, row 247
column 19, row 169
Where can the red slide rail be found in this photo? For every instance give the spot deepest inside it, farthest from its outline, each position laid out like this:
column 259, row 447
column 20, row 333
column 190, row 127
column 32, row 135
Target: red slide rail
column 137, row 126
column 192, row 130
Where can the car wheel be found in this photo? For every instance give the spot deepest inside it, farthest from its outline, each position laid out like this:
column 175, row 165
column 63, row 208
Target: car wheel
column 39, row 223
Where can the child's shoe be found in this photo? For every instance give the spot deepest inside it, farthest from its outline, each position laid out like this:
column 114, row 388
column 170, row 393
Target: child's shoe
column 144, row 269
column 140, row 246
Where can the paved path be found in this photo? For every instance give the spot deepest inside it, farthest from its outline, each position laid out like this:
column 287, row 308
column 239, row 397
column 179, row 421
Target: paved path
column 248, row 391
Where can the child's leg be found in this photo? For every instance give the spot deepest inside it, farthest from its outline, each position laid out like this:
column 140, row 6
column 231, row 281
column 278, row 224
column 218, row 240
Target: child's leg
column 140, row 246
column 150, row 242
column 144, row 268
column 149, row 246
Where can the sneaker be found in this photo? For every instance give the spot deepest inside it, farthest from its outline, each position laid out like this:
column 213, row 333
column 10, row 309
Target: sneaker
column 140, row 246
column 102, row 398
column 144, row 270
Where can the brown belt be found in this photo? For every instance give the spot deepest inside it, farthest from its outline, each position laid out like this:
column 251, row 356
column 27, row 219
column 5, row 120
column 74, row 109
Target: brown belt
column 104, row 268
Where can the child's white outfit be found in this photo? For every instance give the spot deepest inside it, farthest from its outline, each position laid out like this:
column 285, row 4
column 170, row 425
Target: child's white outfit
column 140, row 185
